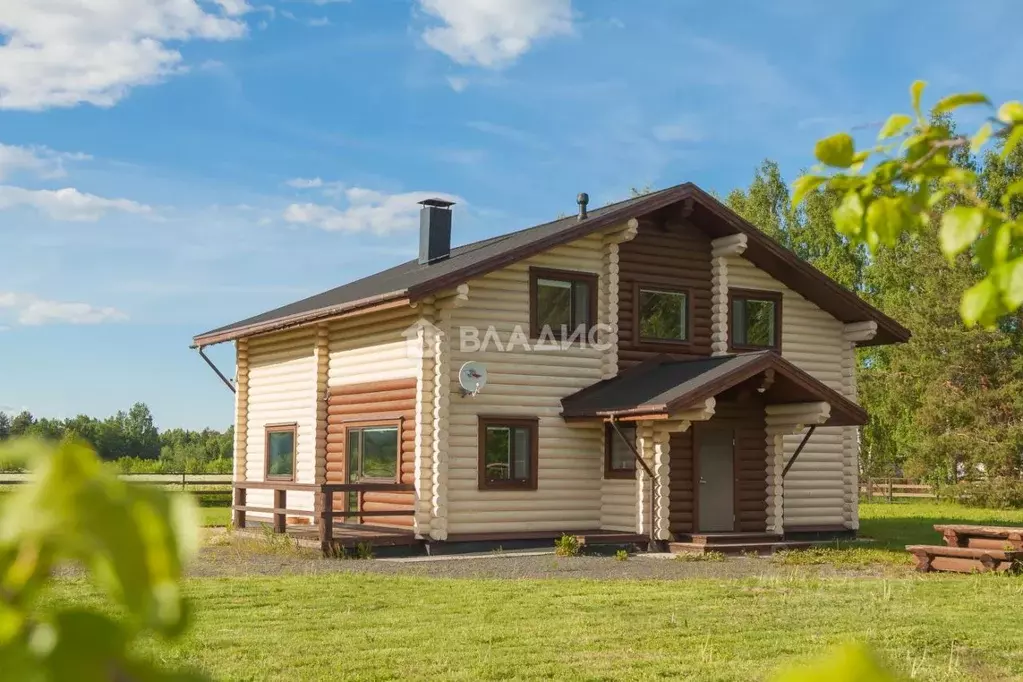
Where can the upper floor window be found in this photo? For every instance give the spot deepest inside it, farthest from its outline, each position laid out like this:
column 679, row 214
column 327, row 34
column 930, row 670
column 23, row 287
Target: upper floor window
column 507, row 453
column 562, row 302
column 663, row 314
column 619, row 460
column 281, row 440
column 755, row 319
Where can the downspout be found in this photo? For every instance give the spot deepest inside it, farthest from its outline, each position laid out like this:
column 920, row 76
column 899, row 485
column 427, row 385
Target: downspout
column 649, row 472
column 227, row 382
column 813, row 427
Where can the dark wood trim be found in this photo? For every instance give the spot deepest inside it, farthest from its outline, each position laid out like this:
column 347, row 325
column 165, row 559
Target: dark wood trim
column 371, row 419
column 292, row 428
column 639, row 342
column 592, row 280
column 696, row 429
column 609, row 472
column 756, row 295
column 737, row 478
column 531, row 423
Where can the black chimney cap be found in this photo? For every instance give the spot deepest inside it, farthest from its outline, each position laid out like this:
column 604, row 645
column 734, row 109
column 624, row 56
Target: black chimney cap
column 439, row 203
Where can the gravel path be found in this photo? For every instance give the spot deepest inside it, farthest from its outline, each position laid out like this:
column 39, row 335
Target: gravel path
column 234, row 556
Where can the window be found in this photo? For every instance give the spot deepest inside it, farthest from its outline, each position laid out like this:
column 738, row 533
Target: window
column 663, row 315
column 619, row 460
column 756, row 319
column 507, row 453
column 280, row 451
column 372, row 453
column 561, row 301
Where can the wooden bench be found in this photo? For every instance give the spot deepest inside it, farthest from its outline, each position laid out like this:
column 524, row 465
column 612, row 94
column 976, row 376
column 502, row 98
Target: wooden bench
column 981, row 537
column 965, row 559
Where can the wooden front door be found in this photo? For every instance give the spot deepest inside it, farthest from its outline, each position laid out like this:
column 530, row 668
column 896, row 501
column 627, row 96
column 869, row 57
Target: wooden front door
column 715, row 454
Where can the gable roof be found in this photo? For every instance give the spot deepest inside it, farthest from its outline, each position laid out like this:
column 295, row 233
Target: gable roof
column 412, row 281
column 662, row 386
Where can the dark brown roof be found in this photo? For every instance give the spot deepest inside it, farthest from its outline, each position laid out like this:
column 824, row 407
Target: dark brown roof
column 414, row 281
column 662, row 386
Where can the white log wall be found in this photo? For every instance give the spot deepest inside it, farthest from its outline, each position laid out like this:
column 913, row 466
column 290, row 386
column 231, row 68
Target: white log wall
column 282, row 389
column 525, row 384
column 818, row 489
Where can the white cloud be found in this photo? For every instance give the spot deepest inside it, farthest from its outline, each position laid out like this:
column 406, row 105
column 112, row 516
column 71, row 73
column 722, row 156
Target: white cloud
column 367, row 210
column 68, row 203
column 494, row 34
column 40, row 161
column 305, row 183
column 33, row 311
column 457, row 83
column 679, row 131
column 317, row 23
column 61, row 53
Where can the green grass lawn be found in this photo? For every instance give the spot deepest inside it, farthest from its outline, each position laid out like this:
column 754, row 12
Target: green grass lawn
column 352, row 626
column 214, row 516
column 365, row 627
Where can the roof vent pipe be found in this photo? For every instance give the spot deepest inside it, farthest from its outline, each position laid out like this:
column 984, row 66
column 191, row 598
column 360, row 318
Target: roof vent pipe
column 434, row 230
column 583, row 200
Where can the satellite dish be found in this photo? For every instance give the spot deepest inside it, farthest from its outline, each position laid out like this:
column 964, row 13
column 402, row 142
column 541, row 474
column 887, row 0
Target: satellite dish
column 472, row 377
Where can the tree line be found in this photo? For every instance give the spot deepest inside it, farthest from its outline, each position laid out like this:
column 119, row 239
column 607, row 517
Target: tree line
column 948, row 405
column 131, row 439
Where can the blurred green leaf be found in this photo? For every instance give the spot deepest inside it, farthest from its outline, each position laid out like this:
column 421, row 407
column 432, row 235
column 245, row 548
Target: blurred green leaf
column 849, row 215
column 850, row 663
column 981, row 137
column 1010, row 281
column 960, row 227
column 916, row 91
column 886, row 219
column 978, row 304
column 894, row 125
column 804, row 185
column 836, row 151
column 951, row 102
column 1013, row 190
column 1012, row 140
column 1011, row 112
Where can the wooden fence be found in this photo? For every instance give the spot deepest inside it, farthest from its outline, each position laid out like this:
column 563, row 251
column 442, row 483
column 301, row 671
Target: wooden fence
column 895, row 488
column 195, row 482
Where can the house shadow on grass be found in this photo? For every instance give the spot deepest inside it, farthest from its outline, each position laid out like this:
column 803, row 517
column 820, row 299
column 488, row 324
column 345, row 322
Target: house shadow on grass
column 897, row 524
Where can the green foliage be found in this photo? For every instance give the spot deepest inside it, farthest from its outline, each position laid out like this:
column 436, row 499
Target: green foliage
column 999, row 492
column 849, row 663
column 622, row 555
column 567, row 545
column 914, row 184
column 133, row 542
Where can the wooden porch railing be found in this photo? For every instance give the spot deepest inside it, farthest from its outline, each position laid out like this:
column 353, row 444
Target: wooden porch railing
column 324, row 514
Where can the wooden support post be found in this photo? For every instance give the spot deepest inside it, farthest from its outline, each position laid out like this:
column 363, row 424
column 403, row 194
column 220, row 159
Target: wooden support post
column 280, row 503
column 239, row 514
column 326, row 521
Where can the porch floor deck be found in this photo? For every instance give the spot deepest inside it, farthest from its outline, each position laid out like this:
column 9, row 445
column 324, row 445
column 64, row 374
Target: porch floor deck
column 346, row 536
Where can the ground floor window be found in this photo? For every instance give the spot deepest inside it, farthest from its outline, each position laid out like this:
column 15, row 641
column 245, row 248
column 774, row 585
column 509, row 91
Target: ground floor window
column 281, row 446
column 373, row 455
column 619, row 460
column 507, row 453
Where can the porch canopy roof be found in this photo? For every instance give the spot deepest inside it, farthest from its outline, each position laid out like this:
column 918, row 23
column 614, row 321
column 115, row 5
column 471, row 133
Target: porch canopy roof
column 662, row 386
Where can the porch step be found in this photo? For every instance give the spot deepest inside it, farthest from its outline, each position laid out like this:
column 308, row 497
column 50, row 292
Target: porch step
column 738, row 547
column 729, row 538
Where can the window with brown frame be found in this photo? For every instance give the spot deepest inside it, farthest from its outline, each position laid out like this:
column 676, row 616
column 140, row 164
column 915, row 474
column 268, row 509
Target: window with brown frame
column 281, row 450
column 663, row 314
column 561, row 303
column 755, row 319
column 508, row 453
column 619, row 460
column 373, row 453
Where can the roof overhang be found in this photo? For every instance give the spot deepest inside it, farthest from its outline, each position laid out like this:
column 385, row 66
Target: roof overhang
column 396, row 299
column 661, row 387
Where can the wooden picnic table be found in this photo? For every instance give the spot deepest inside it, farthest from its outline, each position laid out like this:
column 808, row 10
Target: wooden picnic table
column 981, row 537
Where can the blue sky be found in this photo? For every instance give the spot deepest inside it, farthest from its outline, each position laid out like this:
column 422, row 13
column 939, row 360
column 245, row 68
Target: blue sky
column 169, row 166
